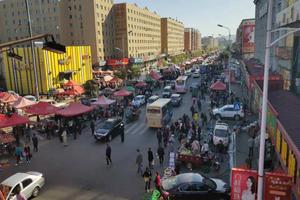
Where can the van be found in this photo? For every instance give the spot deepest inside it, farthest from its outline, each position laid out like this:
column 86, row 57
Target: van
column 152, row 99
column 167, row 92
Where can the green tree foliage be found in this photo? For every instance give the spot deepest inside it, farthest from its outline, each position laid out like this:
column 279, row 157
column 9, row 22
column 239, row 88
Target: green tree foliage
column 91, row 88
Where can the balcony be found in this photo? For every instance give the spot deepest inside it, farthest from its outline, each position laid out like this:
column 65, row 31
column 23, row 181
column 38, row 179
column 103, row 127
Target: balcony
column 289, row 17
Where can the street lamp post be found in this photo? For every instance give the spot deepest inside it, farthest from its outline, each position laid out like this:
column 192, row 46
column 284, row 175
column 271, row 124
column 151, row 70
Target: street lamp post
column 229, row 72
column 32, row 52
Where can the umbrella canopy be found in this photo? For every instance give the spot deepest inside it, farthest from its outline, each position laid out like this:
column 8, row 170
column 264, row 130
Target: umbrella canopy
column 141, row 84
column 71, row 83
column 74, row 109
column 22, row 103
column 154, row 75
column 130, row 88
column 108, row 78
column 122, row 93
column 6, row 97
column 103, row 101
column 12, row 120
column 218, row 85
column 42, row 108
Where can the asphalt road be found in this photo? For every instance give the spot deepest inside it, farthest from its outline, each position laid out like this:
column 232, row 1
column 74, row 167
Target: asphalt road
column 79, row 171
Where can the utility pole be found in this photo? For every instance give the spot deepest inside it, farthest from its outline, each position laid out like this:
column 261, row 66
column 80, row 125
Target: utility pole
column 32, row 52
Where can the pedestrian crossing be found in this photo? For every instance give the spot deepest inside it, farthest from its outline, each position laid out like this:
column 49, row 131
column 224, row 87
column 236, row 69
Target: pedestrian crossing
column 138, row 128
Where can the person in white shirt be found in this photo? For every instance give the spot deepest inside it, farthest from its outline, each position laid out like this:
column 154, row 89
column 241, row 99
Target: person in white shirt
column 205, row 149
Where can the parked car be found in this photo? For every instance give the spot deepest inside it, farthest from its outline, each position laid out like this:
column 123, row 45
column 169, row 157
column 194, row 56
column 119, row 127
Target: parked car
column 229, row 111
column 152, row 99
column 194, row 186
column 167, row 92
column 176, row 100
column 29, row 183
column 221, row 133
column 139, row 100
column 194, row 85
column 55, row 103
column 30, row 98
column 109, row 129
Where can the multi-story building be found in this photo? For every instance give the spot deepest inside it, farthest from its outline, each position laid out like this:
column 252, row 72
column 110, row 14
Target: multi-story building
column 137, row 32
column 210, row 43
column 245, row 38
column 192, row 39
column 172, row 36
column 71, row 22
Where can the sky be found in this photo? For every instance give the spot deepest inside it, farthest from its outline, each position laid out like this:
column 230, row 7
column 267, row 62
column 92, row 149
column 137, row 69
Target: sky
column 202, row 14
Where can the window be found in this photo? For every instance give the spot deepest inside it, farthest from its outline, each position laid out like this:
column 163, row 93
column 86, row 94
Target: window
column 26, row 182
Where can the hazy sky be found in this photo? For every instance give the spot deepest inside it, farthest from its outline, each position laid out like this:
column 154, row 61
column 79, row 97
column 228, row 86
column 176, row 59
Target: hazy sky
column 202, row 14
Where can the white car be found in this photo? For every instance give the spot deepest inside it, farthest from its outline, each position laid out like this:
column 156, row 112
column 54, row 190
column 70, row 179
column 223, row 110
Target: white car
column 30, row 98
column 139, row 100
column 221, row 133
column 29, row 183
column 229, row 111
column 55, row 103
column 196, row 74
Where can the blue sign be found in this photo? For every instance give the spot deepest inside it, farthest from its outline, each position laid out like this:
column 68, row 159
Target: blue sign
column 237, row 106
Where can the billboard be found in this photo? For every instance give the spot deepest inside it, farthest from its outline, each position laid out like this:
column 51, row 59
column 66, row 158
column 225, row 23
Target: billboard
column 248, row 43
column 277, row 186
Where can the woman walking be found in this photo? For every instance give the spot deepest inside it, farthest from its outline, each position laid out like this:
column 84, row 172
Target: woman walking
column 64, row 137
column 27, row 153
column 147, row 178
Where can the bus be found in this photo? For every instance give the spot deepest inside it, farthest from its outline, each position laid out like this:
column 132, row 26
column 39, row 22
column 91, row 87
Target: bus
column 159, row 113
column 181, row 84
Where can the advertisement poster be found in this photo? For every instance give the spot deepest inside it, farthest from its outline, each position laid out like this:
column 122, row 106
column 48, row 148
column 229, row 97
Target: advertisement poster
column 248, row 37
column 277, row 186
column 244, row 184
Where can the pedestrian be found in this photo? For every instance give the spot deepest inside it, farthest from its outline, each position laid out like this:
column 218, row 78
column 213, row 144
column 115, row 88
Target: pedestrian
column 150, row 158
column 251, row 142
column 108, row 154
column 64, row 137
column 92, row 126
column 27, row 153
column 159, row 136
column 35, row 142
column 139, row 162
column 19, row 196
column 166, row 136
column 147, row 175
column 199, row 104
column 157, row 180
column 221, row 148
column 122, row 133
column 18, row 154
column 73, row 127
column 205, row 148
column 161, row 154
column 192, row 109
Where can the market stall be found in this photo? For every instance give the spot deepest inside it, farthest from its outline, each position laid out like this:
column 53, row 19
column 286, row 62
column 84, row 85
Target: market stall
column 42, row 108
column 74, row 109
column 12, row 120
column 22, row 103
column 6, row 97
column 122, row 93
column 103, row 101
column 218, row 86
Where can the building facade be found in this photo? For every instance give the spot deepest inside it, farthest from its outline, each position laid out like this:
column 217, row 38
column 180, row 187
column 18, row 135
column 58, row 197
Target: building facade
column 192, row 39
column 52, row 69
column 71, row 22
column 137, row 32
column 172, row 36
column 210, row 43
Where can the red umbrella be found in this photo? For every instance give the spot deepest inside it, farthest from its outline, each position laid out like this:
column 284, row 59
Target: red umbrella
column 12, row 120
column 141, row 84
column 122, row 93
column 6, row 97
column 218, row 85
column 42, row 108
column 22, row 103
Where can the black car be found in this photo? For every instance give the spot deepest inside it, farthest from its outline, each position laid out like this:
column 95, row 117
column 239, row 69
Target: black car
column 194, row 186
column 109, row 129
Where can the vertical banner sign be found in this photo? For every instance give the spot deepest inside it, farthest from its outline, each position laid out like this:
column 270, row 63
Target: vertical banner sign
column 277, row 186
column 248, row 36
column 244, row 184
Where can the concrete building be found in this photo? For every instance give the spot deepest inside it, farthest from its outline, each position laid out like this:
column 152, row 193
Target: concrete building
column 245, row 42
column 137, row 32
column 172, row 36
column 71, row 22
column 210, row 43
column 192, row 39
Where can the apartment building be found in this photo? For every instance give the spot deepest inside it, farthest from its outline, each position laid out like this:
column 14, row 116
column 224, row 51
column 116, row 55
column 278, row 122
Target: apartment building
column 192, row 39
column 77, row 22
column 172, row 36
column 210, row 43
column 137, row 32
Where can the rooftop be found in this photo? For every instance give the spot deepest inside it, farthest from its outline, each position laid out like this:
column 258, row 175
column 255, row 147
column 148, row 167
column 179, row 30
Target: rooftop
column 288, row 107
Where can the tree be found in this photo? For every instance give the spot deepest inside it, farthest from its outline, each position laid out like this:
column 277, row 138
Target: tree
column 91, row 88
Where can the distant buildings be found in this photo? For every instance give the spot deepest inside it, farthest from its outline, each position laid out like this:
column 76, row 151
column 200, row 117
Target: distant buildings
column 192, row 39
column 210, row 43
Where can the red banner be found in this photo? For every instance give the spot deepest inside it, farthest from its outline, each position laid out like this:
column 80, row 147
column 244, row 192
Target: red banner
column 117, row 62
column 244, row 184
column 248, row 37
column 277, row 186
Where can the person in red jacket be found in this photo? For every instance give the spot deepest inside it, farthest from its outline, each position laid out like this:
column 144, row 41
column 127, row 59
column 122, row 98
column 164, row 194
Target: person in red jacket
column 157, row 180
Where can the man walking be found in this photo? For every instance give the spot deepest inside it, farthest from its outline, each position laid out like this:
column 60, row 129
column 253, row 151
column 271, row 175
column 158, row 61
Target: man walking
column 161, row 154
column 251, row 142
column 122, row 133
column 108, row 155
column 150, row 158
column 92, row 126
column 139, row 162
column 159, row 136
column 35, row 143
